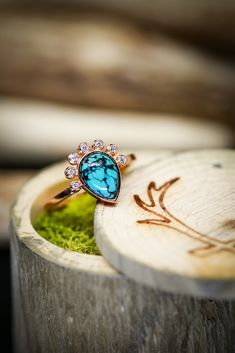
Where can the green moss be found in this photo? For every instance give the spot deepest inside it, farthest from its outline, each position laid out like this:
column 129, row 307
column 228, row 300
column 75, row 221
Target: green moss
column 70, row 227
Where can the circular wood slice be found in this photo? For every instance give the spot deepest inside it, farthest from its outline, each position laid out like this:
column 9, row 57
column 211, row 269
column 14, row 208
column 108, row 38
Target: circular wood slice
column 174, row 225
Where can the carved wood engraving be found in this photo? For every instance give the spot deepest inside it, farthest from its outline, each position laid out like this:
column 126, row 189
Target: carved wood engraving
column 165, row 218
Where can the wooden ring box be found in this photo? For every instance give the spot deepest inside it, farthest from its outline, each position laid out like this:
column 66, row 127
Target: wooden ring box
column 171, row 240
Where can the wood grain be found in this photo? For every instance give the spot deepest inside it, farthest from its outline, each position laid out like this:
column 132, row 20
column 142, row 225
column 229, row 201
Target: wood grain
column 202, row 21
column 46, row 132
column 109, row 62
column 174, row 225
column 69, row 302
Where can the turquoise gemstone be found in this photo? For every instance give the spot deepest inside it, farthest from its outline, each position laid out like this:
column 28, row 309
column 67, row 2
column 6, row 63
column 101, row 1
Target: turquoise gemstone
column 100, row 175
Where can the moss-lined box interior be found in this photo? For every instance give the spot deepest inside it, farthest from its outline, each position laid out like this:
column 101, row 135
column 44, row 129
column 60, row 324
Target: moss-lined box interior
column 70, row 227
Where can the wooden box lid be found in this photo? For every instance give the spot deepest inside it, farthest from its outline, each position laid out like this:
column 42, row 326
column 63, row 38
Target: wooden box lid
column 174, row 225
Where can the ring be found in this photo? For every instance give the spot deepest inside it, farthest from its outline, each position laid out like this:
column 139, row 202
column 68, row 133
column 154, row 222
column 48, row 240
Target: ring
column 95, row 168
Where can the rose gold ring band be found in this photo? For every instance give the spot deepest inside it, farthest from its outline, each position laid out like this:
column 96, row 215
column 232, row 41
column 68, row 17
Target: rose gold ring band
column 63, row 195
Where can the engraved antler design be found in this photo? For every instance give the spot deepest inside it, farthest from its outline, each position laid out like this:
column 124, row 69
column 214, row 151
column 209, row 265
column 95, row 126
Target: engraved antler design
column 168, row 220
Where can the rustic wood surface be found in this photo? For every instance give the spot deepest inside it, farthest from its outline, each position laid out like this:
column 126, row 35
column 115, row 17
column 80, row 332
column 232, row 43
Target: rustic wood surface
column 103, row 61
column 46, row 131
column 173, row 227
column 205, row 21
column 69, row 302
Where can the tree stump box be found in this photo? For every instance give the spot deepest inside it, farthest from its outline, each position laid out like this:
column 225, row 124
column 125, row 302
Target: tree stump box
column 70, row 302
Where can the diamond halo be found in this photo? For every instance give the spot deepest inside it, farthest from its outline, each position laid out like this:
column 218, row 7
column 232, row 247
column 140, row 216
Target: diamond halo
column 84, row 149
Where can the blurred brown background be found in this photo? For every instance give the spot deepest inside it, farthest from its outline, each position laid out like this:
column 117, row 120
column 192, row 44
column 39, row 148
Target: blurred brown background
column 156, row 74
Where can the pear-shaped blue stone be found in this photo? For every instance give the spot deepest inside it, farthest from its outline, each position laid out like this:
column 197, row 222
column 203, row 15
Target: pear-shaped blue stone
column 100, row 175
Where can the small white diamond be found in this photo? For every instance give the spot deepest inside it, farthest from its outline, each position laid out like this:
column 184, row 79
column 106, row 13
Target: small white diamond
column 75, row 186
column 73, row 158
column 83, row 147
column 99, row 144
column 121, row 159
column 69, row 172
column 112, row 148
